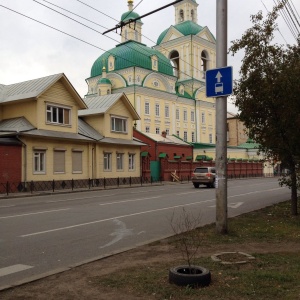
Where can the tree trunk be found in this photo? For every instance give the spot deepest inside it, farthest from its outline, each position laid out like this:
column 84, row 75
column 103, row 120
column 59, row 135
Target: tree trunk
column 294, row 197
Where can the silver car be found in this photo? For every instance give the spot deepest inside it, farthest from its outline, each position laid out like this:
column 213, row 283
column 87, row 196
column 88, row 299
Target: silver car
column 205, row 176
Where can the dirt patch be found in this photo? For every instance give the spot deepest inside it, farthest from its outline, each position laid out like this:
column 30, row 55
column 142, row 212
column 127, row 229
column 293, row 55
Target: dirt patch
column 81, row 283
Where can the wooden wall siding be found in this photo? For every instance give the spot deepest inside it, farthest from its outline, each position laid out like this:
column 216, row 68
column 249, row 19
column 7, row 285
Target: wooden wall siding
column 50, row 145
column 97, row 122
column 21, row 109
column 114, row 149
column 121, row 110
column 59, row 95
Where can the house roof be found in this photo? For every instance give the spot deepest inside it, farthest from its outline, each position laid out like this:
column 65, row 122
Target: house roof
column 15, row 125
column 9, row 141
column 133, row 142
column 169, row 139
column 185, row 28
column 101, row 104
column 32, row 89
column 86, row 130
column 250, row 144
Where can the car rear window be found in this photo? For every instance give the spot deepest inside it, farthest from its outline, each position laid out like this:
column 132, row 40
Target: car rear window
column 201, row 170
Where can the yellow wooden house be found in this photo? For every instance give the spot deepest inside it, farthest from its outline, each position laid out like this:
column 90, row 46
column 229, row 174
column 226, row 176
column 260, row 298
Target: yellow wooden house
column 41, row 117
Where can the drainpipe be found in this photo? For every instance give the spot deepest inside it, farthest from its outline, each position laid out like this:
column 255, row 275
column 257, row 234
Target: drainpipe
column 134, row 100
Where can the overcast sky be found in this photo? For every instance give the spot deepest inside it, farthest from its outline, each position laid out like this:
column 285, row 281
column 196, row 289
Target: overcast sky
column 30, row 50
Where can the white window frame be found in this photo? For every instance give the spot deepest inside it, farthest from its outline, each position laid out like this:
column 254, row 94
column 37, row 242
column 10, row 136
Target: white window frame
column 157, row 130
column 185, row 118
column 193, row 137
column 120, row 161
column 115, row 126
column 167, row 111
column 157, row 109
column 203, row 117
column 192, row 116
column 107, row 161
column 167, row 131
column 210, row 138
column 131, row 161
column 39, row 162
column 56, row 114
column 185, row 136
column 147, row 129
column 147, row 108
column 177, row 114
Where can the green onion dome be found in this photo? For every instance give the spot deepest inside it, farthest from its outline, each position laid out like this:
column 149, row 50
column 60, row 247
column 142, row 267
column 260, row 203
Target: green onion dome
column 132, row 54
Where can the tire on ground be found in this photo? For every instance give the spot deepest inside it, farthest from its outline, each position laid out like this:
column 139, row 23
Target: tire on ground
column 180, row 276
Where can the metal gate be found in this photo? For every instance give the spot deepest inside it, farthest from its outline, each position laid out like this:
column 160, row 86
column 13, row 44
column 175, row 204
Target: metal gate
column 155, row 170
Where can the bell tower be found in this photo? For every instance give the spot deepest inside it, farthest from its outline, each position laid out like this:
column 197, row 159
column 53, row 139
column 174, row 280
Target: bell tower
column 132, row 31
column 186, row 11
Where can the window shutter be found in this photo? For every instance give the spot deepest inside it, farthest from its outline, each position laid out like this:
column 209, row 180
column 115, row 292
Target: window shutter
column 77, row 161
column 59, row 162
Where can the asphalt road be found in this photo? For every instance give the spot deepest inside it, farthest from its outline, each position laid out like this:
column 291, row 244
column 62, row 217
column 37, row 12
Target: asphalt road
column 46, row 234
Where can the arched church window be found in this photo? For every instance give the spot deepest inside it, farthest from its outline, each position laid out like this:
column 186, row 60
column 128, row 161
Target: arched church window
column 174, row 57
column 204, row 63
column 192, row 15
column 181, row 16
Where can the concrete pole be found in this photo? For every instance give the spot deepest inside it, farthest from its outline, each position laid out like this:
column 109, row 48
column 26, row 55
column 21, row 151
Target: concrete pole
column 221, row 120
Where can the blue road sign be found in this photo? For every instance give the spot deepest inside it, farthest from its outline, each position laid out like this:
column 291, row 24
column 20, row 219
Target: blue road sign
column 219, row 82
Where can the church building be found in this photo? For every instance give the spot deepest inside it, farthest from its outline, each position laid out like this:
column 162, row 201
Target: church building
column 165, row 83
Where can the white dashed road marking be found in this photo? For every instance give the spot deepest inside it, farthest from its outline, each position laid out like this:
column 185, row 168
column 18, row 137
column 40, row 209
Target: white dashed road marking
column 13, row 269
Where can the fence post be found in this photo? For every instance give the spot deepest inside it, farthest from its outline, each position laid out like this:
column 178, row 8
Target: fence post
column 72, row 184
column 7, row 188
column 130, row 181
column 141, row 178
column 53, row 185
column 118, row 181
column 104, row 182
column 151, row 179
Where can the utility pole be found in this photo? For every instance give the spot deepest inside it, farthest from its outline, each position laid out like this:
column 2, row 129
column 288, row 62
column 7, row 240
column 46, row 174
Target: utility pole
column 221, row 119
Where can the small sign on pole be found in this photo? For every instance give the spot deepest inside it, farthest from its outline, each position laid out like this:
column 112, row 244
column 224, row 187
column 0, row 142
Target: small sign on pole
column 219, row 82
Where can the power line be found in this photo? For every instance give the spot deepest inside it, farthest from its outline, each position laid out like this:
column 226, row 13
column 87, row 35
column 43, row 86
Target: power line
column 278, row 28
column 181, row 72
column 133, row 9
column 190, row 65
column 63, row 32
column 286, row 18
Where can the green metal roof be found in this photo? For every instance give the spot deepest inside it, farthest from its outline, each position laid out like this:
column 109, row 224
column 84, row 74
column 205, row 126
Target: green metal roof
column 130, row 54
column 104, row 81
column 130, row 15
column 186, row 28
column 250, row 144
column 144, row 153
column 162, row 155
